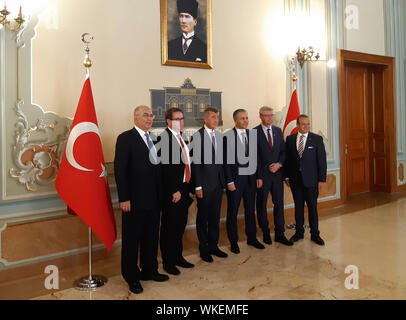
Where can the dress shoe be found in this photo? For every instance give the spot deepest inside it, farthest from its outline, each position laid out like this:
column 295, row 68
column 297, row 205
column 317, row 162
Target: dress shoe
column 206, row 257
column 184, row 264
column 158, row 277
column 171, row 269
column 317, row 240
column 136, row 287
column 218, row 253
column 296, row 238
column 267, row 238
column 235, row 248
column 283, row 240
column 255, row 243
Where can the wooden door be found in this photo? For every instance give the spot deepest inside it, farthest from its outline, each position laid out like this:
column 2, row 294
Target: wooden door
column 356, row 122
column 367, row 123
column 377, row 145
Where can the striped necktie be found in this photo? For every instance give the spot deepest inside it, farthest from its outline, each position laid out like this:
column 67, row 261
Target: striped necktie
column 151, row 147
column 300, row 149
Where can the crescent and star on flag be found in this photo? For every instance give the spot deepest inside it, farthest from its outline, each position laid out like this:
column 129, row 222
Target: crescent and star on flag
column 83, row 127
column 78, row 130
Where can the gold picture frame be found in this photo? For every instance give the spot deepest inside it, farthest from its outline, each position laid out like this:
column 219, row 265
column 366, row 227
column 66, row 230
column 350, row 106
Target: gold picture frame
column 170, row 23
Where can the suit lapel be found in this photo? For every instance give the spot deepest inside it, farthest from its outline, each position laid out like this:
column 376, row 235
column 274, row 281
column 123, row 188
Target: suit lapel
column 262, row 133
column 308, row 141
column 274, row 136
column 140, row 139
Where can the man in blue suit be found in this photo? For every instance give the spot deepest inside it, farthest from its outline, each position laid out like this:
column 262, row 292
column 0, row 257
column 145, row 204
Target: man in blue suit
column 240, row 173
column 209, row 182
column 271, row 157
column 306, row 171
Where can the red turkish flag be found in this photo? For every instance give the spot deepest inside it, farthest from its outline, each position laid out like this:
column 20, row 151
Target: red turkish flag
column 290, row 126
column 82, row 179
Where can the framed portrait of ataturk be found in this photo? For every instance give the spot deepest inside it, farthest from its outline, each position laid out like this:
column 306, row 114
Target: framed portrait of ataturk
column 186, row 33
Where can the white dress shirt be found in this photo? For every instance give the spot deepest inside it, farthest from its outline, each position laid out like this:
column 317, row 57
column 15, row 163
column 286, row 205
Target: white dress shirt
column 210, row 132
column 142, row 134
column 304, row 140
column 189, row 41
column 266, row 132
column 242, row 133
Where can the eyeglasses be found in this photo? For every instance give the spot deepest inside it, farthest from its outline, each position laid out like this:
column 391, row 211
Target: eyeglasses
column 178, row 119
column 148, row 115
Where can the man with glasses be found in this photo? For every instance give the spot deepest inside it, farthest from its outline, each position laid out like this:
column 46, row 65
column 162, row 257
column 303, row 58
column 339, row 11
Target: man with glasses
column 138, row 181
column 176, row 177
column 271, row 157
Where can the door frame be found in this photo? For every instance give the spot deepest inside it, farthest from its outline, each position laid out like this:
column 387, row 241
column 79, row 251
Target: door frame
column 389, row 104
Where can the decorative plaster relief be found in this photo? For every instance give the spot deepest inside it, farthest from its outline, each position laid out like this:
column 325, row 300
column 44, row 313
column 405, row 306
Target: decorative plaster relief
column 37, row 161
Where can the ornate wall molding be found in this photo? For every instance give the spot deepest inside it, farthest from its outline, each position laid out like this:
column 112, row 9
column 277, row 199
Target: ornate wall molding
column 37, row 161
column 32, row 140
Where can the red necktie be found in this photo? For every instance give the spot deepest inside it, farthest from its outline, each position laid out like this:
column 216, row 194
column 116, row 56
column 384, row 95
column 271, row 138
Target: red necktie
column 187, row 168
column 270, row 139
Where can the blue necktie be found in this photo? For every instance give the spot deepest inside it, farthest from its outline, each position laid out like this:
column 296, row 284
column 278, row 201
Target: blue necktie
column 151, row 147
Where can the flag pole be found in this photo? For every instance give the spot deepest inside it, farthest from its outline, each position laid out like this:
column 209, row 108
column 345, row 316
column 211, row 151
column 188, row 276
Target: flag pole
column 292, row 66
column 90, row 282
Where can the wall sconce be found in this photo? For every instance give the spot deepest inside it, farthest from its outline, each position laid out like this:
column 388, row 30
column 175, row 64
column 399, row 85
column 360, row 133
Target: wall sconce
column 306, row 55
column 18, row 22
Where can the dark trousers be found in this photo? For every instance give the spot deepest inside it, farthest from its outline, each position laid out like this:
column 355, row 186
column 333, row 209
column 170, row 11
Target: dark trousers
column 271, row 184
column 246, row 191
column 140, row 231
column 208, row 219
column 302, row 195
column 173, row 224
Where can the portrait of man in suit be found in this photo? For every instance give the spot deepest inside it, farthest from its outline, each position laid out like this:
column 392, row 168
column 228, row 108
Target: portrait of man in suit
column 188, row 46
column 185, row 30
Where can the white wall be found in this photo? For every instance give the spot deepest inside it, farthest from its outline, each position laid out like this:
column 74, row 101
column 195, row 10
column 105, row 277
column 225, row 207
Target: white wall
column 370, row 37
column 127, row 60
column 248, row 47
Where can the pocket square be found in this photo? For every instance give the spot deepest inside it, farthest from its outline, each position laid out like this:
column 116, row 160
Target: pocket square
column 198, row 60
column 310, row 148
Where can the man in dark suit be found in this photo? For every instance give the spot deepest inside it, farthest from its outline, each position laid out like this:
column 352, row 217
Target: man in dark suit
column 176, row 177
column 138, row 179
column 187, row 47
column 208, row 176
column 306, row 171
column 271, row 157
column 241, row 181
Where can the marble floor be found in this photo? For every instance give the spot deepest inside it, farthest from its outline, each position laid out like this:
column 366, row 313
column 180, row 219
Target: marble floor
column 372, row 239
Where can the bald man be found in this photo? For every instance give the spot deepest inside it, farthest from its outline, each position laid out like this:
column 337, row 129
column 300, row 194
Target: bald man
column 137, row 176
